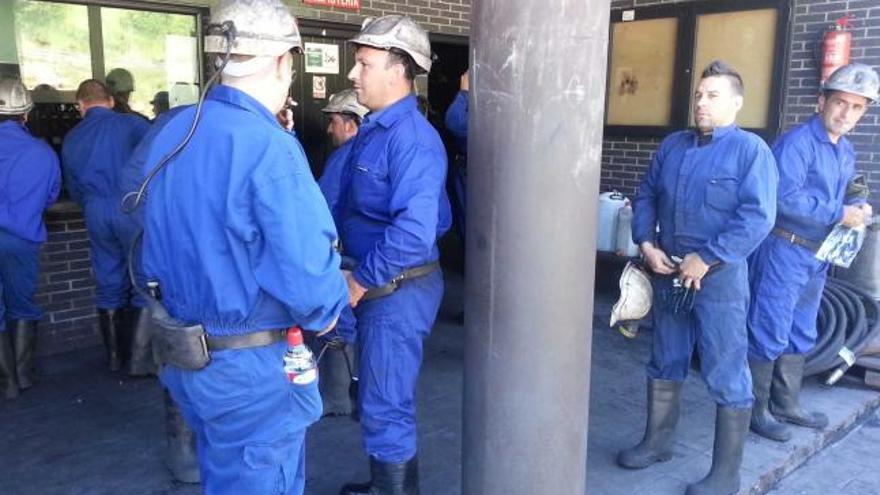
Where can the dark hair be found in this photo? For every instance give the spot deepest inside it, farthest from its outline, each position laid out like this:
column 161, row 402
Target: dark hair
column 398, row 56
column 720, row 68
column 350, row 116
column 92, row 90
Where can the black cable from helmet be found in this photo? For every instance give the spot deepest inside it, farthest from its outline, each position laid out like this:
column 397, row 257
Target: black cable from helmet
column 226, row 29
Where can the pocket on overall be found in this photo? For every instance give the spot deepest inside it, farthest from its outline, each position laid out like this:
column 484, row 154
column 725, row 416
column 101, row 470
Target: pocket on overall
column 722, row 193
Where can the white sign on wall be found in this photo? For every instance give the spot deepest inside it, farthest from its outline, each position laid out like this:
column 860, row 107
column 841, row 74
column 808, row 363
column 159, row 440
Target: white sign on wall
column 322, row 58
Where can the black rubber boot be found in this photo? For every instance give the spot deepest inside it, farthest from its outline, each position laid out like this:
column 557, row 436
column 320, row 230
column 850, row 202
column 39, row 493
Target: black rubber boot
column 336, row 380
column 763, row 423
column 24, row 339
column 8, row 379
column 180, row 454
column 141, row 362
column 108, row 321
column 663, row 412
column 785, row 394
column 731, row 427
column 388, row 479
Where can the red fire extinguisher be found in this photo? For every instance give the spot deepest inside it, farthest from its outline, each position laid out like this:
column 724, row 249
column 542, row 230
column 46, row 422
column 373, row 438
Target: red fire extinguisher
column 836, row 45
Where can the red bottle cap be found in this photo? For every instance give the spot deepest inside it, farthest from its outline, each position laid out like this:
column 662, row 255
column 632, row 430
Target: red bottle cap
column 294, row 336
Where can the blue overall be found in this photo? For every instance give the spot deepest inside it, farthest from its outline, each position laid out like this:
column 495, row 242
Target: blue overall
column 30, row 180
column 240, row 240
column 330, row 184
column 717, row 200
column 786, row 279
column 93, row 155
column 130, row 179
column 457, row 125
column 393, row 207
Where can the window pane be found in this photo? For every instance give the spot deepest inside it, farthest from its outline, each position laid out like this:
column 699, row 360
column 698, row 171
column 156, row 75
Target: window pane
column 53, row 44
column 747, row 41
column 641, row 72
column 158, row 49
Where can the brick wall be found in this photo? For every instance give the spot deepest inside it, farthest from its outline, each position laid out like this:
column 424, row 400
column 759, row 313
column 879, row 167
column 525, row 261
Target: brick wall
column 437, row 16
column 624, row 160
column 66, row 287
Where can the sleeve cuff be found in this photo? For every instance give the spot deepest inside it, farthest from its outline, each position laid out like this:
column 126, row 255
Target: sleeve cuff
column 838, row 215
column 708, row 257
column 361, row 277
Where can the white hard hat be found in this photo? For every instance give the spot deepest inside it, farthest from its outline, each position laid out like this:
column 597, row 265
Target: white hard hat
column 345, row 101
column 15, row 99
column 636, row 295
column 857, row 79
column 263, row 28
column 397, row 31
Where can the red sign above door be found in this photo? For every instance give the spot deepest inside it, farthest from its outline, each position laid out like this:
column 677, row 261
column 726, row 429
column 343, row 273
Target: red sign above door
column 339, row 4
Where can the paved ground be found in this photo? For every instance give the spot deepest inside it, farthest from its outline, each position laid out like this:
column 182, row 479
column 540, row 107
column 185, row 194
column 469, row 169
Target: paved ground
column 86, row 431
column 849, row 467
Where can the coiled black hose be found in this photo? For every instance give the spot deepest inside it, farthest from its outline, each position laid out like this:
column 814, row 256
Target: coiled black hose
column 849, row 318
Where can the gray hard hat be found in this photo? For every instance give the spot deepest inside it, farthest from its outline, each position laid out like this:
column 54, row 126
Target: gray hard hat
column 397, row 31
column 15, row 99
column 855, row 78
column 262, row 28
column 345, row 101
column 120, row 81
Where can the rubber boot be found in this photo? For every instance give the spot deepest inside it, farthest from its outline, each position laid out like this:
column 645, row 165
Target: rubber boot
column 108, row 321
column 663, row 412
column 180, row 454
column 8, row 379
column 763, row 423
column 24, row 338
column 388, row 479
column 785, row 394
column 335, row 380
column 141, row 362
column 731, row 427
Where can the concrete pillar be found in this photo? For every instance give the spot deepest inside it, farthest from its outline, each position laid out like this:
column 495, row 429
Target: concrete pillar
column 537, row 102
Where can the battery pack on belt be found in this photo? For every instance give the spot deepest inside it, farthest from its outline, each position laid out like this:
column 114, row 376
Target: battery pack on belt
column 189, row 346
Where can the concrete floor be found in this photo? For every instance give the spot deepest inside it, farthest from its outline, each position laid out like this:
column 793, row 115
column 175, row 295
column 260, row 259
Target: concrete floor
column 83, row 430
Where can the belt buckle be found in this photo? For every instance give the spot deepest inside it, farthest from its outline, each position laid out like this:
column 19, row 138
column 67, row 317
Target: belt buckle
column 792, row 238
column 203, row 340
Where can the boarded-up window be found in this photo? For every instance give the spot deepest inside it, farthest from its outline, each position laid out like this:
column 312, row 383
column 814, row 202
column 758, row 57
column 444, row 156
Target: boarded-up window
column 747, row 41
column 641, row 74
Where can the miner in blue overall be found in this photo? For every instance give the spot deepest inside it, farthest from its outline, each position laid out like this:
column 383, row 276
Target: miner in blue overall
column 816, row 164
column 242, row 247
column 712, row 193
column 392, row 209
column 180, row 456
column 344, row 116
column 29, row 182
column 93, row 154
column 457, row 125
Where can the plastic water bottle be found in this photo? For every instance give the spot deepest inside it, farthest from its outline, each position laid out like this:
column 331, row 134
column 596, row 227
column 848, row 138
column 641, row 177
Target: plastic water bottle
column 299, row 362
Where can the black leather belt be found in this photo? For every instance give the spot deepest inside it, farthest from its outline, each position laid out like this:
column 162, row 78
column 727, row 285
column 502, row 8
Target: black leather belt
column 245, row 341
column 390, row 287
column 796, row 239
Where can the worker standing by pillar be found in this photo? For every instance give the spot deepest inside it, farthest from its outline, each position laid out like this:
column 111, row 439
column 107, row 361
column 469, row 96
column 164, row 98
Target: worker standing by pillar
column 706, row 202
column 531, row 242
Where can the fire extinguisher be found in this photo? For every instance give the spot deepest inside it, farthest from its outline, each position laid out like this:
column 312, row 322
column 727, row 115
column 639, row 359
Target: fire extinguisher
column 836, row 44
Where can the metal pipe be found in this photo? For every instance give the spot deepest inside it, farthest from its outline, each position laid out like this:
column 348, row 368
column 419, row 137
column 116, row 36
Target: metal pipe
column 535, row 145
